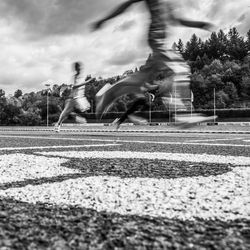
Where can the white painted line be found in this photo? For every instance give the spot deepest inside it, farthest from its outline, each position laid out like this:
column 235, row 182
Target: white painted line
column 221, row 139
column 129, row 141
column 51, row 147
column 218, row 144
column 45, row 138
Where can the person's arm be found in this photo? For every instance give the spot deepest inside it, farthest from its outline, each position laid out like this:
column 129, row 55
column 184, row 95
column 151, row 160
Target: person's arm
column 115, row 13
column 187, row 23
column 81, row 84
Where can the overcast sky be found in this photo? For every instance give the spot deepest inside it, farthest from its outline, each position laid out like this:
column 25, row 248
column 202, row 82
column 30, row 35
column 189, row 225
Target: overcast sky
column 40, row 39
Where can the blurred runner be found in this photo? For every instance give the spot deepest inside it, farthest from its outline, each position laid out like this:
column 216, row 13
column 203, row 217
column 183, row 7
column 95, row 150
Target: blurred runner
column 141, row 103
column 162, row 15
column 76, row 100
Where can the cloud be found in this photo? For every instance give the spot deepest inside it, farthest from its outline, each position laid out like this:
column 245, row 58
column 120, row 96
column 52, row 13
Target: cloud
column 52, row 17
column 123, row 58
column 241, row 18
column 40, row 39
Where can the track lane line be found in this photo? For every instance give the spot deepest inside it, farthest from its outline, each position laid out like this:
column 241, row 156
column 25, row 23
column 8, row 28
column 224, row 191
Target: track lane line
column 52, row 147
column 133, row 141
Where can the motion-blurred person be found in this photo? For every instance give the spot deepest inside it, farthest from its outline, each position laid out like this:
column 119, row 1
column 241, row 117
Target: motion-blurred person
column 76, row 100
column 141, row 103
column 162, row 15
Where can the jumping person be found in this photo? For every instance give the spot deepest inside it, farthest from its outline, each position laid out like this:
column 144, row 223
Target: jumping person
column 162, row 15
column 76, row 100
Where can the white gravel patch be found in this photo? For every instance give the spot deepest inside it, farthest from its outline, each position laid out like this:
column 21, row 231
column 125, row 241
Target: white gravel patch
column 223, row 197
column 220, row 159
column 20, row 167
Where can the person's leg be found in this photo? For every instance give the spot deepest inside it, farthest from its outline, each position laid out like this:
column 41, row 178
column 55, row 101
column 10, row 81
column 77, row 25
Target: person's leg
column 134, row 106
column 68, row 108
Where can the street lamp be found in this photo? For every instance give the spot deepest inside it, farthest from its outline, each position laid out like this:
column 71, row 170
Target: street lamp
column 47, row 84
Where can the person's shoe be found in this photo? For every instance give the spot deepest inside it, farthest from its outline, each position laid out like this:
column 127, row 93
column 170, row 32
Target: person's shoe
column 187, row 121
column 137, row 120
column 57, row 128
column 116, row 123
column 80, row 119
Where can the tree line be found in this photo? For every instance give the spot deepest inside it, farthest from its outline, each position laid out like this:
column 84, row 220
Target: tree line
column 219, row 64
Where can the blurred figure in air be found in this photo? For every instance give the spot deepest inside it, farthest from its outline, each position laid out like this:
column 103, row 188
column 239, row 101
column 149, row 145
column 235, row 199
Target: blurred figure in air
column 162, row 15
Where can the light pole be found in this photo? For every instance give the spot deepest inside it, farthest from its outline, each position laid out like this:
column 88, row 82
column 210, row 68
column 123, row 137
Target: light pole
column 47, row 85
column 175, row 103
column 214, row 105
column 169, row 108
column 149, row 97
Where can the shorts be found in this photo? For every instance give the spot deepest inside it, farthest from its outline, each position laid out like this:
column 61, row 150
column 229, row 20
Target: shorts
column 82, row 104
column 79, row 104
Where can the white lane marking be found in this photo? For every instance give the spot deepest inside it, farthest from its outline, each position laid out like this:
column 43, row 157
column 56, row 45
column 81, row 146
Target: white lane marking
column 220, row 159
column 52, row 147
column 131, row 141
column 224, row 197
column 20, row 167
column 221, row 139
column 49, row 138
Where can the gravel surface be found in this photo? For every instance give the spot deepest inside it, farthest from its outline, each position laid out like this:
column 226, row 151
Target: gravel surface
column 129, row 196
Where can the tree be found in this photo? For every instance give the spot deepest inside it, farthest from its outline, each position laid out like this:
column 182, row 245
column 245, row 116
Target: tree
column 180, row 46
column 231, row 91
column 192, row 48
column 223, row 43
column 12, row 114
column 216, row 67
column 2, row 93
column 246, row 87
column 221, row 99
column 213, row 46
column 18, row 93
column 248, row 41
column 237, row 48
column 29, row 118
column 198, row 64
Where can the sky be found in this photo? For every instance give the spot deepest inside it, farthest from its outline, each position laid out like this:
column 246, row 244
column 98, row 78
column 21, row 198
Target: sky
column 40, row 39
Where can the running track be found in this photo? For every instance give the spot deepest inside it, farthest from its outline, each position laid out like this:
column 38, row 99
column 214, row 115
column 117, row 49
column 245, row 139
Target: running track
column 186, row 177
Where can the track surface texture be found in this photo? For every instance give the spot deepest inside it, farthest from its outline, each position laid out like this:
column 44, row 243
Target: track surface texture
column 138, row 188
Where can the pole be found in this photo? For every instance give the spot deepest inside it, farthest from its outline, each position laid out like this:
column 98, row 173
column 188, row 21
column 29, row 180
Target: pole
column 175, row 103
column 191, row 102
column 169, row 108
column 47, row 108
column 47, row 85
column 149, row 109
column 214, row 106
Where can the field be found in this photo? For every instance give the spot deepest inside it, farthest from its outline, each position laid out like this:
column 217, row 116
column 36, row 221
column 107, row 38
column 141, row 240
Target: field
column 138, row 188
